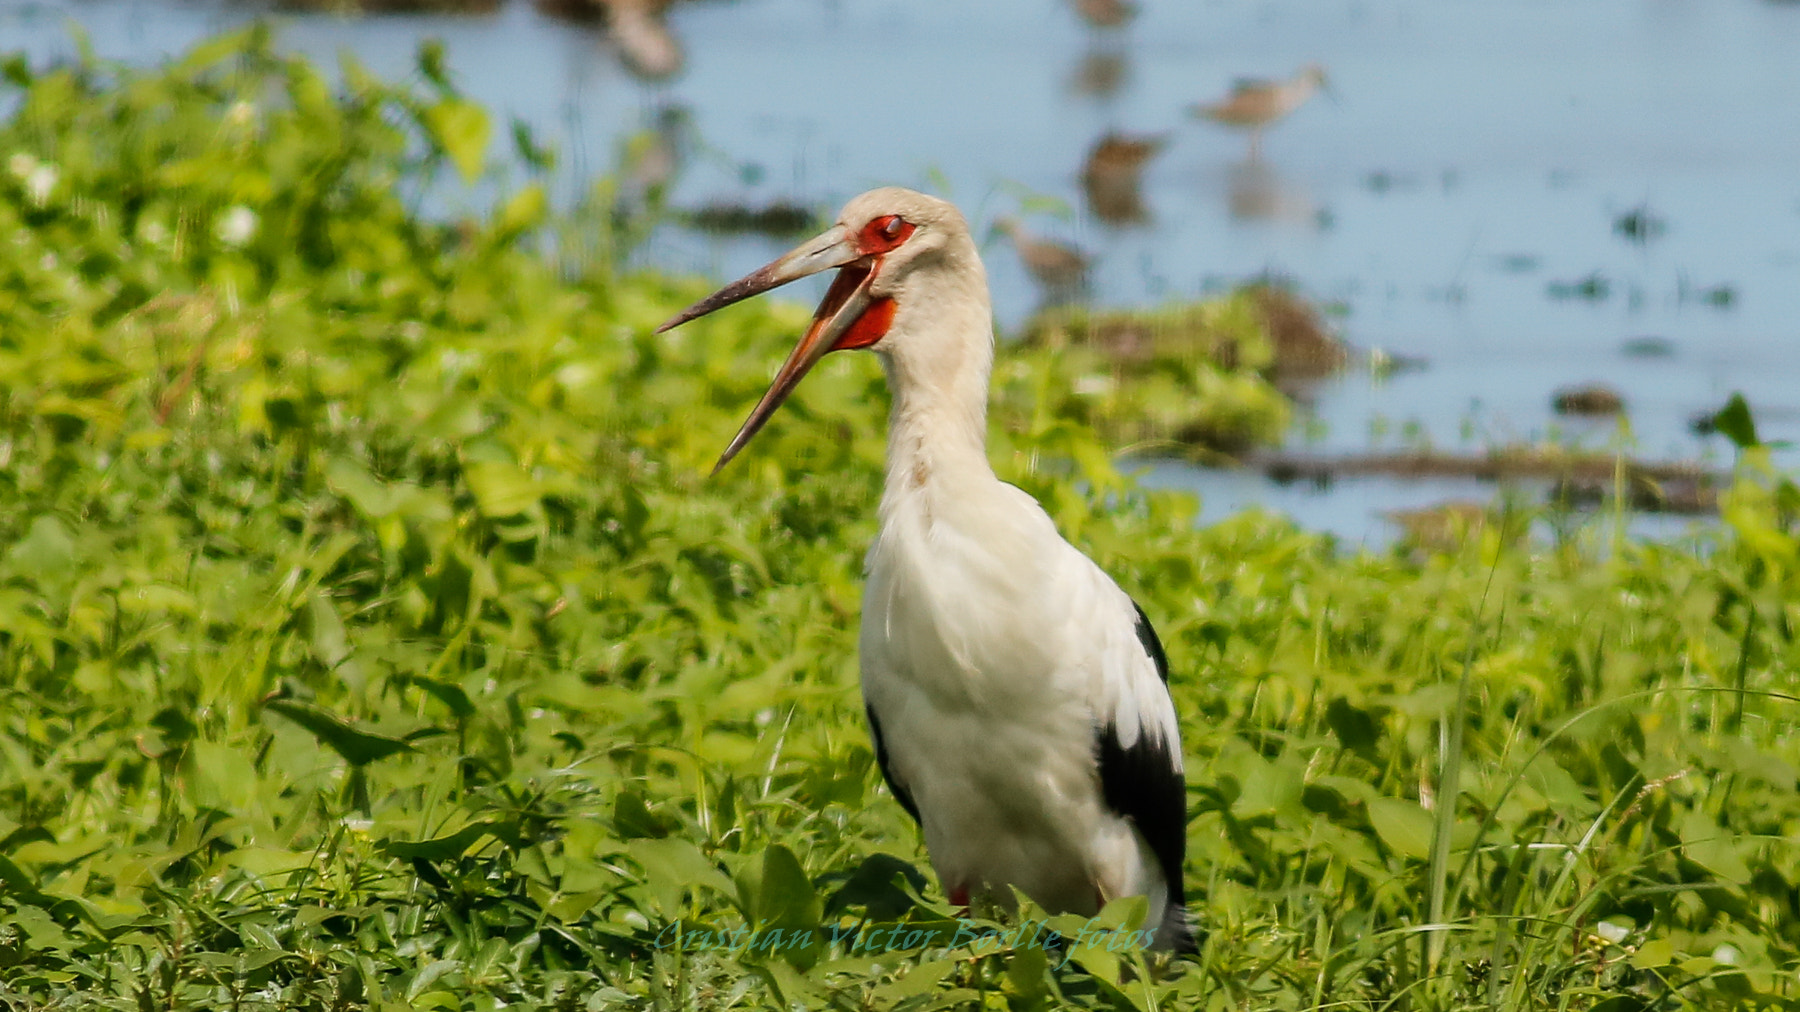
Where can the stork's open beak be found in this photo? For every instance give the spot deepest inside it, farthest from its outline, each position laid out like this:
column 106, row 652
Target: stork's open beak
column 833, row 326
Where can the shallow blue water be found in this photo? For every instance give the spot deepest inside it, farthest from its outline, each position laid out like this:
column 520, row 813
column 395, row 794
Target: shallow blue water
column 1476, row 155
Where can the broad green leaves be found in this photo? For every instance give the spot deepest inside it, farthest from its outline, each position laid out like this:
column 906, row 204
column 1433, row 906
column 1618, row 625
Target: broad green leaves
column 461, row 128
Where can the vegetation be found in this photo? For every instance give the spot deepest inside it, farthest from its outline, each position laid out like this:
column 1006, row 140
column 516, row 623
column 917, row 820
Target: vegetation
column 370, row 638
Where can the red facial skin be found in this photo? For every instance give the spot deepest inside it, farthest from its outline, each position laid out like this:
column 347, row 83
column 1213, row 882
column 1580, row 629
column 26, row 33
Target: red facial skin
column 870, row 327
column 884, row 235
column 881, row 235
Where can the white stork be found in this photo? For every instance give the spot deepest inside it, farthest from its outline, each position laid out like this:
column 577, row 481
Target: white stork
column 1017, row 698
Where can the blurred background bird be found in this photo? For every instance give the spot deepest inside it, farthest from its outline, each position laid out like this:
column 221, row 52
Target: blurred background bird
column 1112, row 175
column 1060, row 270
column 1105, row 13
column 1256, row 103
column 647, row 47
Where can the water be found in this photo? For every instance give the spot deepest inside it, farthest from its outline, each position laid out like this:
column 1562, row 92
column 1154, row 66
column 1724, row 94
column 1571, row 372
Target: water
column 1477, row 155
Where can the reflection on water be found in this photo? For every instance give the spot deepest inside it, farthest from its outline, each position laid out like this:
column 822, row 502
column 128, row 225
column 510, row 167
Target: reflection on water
column 1101, row 73
column 1256, row 192
column 1112, row 177
column 1554, row 121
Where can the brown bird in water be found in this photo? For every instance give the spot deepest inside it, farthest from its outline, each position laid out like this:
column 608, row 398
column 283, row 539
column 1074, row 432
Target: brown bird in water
column 1105, row 13
column 636, row 26
column 1061, row 270
column 1257, row 103
column 1112, row 173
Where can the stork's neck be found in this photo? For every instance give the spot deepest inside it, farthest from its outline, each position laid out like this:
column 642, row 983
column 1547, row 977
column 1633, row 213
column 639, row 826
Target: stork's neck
column 938, row 375
column 936, row 433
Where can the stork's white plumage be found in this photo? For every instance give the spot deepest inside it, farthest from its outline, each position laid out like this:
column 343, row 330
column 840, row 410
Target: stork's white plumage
column 1016, row 696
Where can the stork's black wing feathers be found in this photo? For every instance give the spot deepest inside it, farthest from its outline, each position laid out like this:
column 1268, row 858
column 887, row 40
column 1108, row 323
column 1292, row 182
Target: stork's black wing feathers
column 1143, row 783
column 881, row 759
column 1152, row 645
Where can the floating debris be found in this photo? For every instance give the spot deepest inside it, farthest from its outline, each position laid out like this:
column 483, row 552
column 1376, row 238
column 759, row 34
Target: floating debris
column 1685, row 496
column 1382, row 181
column 1647, row 347
column 780, row 218
column 1639, row 225
column 1498, row 463
column 1518, row 263
column 1592, row 288
column 1591, row 400
column 1717, row 296
column 1384, row 363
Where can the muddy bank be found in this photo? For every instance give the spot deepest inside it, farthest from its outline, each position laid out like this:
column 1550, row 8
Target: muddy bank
column 1580, row 480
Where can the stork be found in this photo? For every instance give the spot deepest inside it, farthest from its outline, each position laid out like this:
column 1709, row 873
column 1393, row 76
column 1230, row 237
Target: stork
column 1017, row 698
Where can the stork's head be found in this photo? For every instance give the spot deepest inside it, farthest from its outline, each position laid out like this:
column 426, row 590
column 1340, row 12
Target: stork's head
column 886, row 244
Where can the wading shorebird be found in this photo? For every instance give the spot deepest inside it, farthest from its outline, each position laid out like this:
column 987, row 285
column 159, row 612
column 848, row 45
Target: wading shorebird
column 1059, row 269
column 1017, row 698
column 1256, row 103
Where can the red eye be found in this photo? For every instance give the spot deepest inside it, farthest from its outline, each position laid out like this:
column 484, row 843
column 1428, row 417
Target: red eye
column 884, row 233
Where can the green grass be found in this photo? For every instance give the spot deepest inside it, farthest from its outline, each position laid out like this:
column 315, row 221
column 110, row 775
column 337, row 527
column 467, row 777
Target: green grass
column 370, row 638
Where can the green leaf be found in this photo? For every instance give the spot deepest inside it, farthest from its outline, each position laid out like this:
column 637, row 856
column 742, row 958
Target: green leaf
column 1403, row 825
column 330, row 643
column 785, row 896
column 45, row 548
column 461, row 130
column 429, row 974
column 16, row 70
column 875, row 887
column 918, row 979
column 525, row 211
column 633, row 819
column 443, row 848
column 1356, row 730
column 432, row 63
column 1735, row 423
column 502, row 490
column 358, row 747
column 677, row 861
column 448, row 693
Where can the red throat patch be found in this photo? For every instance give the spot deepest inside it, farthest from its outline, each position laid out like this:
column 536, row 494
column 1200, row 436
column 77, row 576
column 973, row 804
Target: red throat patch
column 871, row 326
